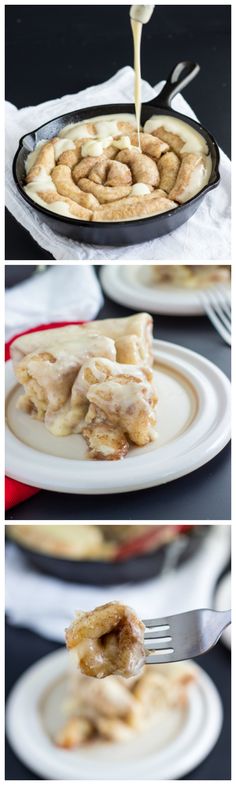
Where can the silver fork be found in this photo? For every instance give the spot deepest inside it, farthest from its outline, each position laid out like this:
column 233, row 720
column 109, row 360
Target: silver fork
column 217, row 305
column 184, row 635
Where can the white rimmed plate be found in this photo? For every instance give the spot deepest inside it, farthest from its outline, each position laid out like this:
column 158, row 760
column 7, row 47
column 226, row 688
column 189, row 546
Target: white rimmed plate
column 132, row 285
column 193, row 735
column 222, row 603
column 193, row 427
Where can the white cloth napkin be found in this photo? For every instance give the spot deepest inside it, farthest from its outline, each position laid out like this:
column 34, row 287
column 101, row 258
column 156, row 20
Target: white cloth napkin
column 46, row 605
column 205, row 237
column 61, row 293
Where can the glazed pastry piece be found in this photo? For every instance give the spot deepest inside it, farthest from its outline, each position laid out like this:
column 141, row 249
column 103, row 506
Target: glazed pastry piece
column 102, row 193
column 63, row 204
column 138, row 328
column 179, row 135
column 108, row 640
column 112, row 173
column 143, row 168
column 111, row 403
column 75, row 733
column 191, row 177
column 43, row 160
column 62, row 179
column 133, row 207
column 173, row 140
column 48, row 376
column 118, row 708
column 168, row 169
column 122, row 401
column 151, row 145
column 191, row 276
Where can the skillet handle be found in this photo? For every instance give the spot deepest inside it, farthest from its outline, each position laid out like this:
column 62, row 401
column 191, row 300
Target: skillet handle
column 180, row 77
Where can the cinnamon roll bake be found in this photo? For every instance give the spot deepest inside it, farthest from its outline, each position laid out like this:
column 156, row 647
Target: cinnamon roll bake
column 93, row 379
column 116, row 709
column 190, row 276
column 102, row 170
column 107, row 640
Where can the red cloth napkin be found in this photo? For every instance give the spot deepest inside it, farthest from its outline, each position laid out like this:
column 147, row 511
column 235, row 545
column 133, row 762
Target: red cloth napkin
column 16, row 492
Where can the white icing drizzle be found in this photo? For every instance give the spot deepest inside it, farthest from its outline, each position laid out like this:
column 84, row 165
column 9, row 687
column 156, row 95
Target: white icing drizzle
column 106, row 128
column 79, row 130
column 193, row 141
column 199, row 178
column 61, row 146
column 139, row 189
column 122, row 143
column 43, row 182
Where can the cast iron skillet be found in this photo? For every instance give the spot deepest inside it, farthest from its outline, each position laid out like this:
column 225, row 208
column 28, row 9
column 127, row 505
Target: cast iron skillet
column 122, row 232
column 107, row 573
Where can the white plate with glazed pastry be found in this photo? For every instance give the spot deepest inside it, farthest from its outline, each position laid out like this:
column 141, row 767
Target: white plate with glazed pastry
column 104, row 408
column 60, row 722
column 164, row 288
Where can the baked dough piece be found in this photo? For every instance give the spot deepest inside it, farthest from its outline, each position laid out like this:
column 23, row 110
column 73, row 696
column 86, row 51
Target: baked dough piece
column 150, row 144
column 190, row 276
column 122, row 401
column 168, row 169
column 117, row 709
column 138, row 327
column 143, row 168
column 48, row 376
column 102, row 193
column 110, row 403
column 108, row 640
column 173, row 140
column 133, row 207
column 112, row 173
column 191, row 177
column 77, row 209
column 62, row 179
column 45, row 161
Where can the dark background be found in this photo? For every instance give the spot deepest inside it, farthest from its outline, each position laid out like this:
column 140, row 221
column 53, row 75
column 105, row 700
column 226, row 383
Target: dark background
column 201, row 495
column 56, row 50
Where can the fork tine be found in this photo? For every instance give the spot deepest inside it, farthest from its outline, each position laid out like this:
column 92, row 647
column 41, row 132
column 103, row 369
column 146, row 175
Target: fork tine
column 217, row 323
column 156, row 633
column 220, row 306
column 160, row 645
column 165, row 622
column 153, row 659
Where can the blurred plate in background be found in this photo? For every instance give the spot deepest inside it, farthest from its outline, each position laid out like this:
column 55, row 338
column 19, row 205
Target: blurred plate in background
column 132, row 285
column 171, row 754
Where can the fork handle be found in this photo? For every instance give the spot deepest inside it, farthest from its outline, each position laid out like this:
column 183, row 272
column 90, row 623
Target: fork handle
column 223, row 619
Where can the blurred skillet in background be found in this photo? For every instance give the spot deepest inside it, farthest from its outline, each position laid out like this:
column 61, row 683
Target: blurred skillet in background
column 105, row 555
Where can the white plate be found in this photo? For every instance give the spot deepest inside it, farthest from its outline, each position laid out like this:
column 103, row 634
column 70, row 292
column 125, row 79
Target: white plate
column 132, row 285
column 193, row 426
column 222, row 603
column 193, row 737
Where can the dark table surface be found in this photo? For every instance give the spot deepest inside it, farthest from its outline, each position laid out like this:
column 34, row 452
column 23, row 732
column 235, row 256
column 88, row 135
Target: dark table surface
column 201, row 495
column 51, row 54
column 23, row 648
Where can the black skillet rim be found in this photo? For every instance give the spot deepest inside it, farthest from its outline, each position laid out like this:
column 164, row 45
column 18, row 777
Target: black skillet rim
column 57, row 567
column 79, row 222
